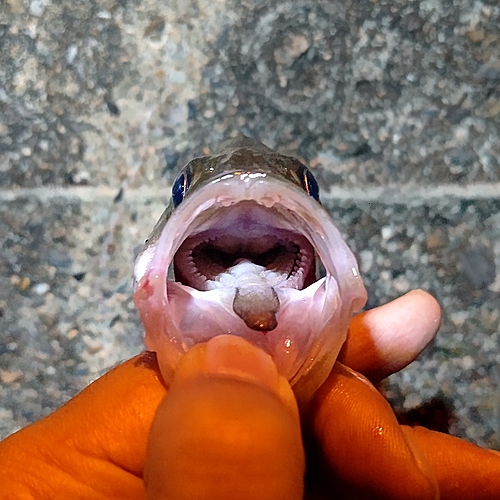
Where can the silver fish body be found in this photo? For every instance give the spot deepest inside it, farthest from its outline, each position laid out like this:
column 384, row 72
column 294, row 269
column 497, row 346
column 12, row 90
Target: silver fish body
column 237, row 251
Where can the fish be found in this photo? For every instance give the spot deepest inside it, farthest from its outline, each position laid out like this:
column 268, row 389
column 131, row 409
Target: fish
column 246, row 248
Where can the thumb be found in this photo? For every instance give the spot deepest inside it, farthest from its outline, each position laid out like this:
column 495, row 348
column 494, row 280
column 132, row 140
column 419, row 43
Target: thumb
column 228, row 428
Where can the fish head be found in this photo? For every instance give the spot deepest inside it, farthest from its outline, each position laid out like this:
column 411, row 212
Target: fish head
column 245, row 248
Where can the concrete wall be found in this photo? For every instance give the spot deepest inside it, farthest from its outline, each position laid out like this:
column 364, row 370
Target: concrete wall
column 394, row 104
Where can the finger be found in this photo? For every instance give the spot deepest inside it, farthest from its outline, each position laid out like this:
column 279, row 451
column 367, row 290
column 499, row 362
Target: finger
column 92, row 447
column 363, row 445
column 229, row 428
column 463, row 470
column 384, row 340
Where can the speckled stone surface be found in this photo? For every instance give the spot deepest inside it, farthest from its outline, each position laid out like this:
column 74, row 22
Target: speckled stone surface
column 394, row 104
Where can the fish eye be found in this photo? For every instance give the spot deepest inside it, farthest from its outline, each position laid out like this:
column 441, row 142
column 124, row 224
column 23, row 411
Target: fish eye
column 309, row 182
column 181, row 187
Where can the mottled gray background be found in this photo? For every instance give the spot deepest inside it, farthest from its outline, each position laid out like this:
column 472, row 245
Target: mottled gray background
column 394, row 104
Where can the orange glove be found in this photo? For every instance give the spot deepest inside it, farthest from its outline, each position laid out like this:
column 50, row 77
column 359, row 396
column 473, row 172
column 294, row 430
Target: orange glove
column 229, row 429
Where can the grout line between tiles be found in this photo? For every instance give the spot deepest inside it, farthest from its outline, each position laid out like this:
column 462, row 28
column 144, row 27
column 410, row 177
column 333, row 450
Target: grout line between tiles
column 403, row 194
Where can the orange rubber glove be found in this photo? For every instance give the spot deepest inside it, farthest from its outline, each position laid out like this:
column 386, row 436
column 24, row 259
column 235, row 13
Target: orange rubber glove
column 228, row 428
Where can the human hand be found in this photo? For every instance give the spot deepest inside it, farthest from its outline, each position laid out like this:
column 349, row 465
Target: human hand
column 221, row 434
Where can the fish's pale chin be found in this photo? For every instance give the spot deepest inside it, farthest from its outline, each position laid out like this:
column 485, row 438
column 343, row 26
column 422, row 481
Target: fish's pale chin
column 244, row 258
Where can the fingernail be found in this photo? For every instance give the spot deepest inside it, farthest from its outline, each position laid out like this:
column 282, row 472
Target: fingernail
column 234, row 356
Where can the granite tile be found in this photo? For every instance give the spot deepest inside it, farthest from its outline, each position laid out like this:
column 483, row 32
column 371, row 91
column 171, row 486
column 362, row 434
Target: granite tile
column 371, row 93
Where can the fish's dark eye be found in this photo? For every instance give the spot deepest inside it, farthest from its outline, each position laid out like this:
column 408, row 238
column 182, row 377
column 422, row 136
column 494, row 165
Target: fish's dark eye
column 309, row 182
column 181, row 187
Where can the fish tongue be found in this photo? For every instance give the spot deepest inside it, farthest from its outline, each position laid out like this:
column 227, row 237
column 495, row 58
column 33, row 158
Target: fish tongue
column 255, row 300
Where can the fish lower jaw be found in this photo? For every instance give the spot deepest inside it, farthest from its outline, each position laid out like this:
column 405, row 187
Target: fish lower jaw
column 304, row 319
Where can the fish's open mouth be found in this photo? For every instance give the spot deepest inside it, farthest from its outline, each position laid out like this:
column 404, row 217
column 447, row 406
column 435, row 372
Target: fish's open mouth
column 252, row 249
column 203, row 258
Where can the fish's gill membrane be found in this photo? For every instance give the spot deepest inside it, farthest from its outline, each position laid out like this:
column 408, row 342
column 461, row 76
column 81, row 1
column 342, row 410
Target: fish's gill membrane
column 311, row 323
